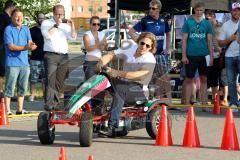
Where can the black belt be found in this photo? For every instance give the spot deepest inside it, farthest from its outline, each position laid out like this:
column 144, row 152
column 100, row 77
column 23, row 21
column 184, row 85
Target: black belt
column 129, row 81
column 55, row 53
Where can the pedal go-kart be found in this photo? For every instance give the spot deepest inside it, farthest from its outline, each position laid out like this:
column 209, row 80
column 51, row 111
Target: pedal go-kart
column 78, row 111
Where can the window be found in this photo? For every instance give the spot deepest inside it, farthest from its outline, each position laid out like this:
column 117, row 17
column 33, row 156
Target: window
column 80, row 8
column 90, row 8
column 100, row 9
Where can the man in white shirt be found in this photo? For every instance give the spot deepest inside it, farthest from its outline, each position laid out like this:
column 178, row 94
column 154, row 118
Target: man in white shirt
column 56, row 31
column 228, row 37
column 130, row 84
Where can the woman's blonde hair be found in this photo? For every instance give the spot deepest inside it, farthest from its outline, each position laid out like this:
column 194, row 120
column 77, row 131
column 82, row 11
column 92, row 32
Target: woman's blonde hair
column 150, row 36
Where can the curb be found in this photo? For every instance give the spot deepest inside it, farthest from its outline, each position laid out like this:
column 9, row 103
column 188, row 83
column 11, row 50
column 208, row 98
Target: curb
column 34, row 114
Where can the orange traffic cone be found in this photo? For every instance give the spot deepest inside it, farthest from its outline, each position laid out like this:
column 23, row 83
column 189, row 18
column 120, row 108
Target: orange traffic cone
column 164, row 137
column 90, row 157
column 229, row 138
column 3, row 113
column 217, row 109
column 191, row 137
column 62, row 155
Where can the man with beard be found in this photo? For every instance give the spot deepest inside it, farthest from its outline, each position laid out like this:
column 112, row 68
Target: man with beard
column 228, row 37
column 36, row 58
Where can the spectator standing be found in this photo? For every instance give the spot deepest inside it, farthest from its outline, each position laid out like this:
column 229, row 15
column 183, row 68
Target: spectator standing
column 36, row 58
column 56, row 31
column 196, row 44
column 5, row 20
column 214, row 73
column 228, row 37
column 156, row 24
column 17, row 41
column 94, row 42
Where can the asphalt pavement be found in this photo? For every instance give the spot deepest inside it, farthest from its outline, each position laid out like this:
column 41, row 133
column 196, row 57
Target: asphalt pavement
column 19, row 141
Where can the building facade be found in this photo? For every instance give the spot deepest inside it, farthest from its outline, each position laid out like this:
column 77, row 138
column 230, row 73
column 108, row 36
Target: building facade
column 88, row 8
column 82, row 10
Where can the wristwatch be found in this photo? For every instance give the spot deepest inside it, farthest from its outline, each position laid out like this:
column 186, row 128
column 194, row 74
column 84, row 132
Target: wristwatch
column 55, row 25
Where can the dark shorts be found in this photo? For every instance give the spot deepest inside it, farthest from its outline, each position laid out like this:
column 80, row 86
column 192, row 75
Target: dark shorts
column 37, row 73
column 196, row 63
column 223, row 79
column 214, row 74
column 2, row 61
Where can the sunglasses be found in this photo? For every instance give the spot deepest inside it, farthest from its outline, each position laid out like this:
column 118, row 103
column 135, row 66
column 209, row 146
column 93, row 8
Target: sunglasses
column 96, row 24
column 143, row 43
column 152, row 8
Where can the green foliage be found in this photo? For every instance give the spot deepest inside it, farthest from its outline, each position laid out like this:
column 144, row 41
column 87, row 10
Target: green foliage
column 32, row 7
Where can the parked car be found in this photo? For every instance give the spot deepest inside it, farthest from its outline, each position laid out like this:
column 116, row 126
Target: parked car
column 124, row 37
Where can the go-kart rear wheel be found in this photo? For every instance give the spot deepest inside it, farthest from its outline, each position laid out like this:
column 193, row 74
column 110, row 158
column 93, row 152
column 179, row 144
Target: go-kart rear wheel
column 152, row 122
column 86, row 130
column 46, row 132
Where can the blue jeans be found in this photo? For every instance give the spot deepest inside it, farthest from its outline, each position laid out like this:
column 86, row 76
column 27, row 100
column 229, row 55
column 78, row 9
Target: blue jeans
column 233, row 69
column 124, row 92
column 89, row 68
column 19, row 75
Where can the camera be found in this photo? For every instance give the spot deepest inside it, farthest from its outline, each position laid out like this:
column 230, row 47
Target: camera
column 64, row 20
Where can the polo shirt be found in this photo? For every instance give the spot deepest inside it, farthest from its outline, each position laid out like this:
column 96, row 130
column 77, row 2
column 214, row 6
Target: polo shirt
column 157, row 27
column 19, row 37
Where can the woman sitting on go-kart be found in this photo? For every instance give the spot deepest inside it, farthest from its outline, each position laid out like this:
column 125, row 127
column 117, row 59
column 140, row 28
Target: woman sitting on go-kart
column 130, row 84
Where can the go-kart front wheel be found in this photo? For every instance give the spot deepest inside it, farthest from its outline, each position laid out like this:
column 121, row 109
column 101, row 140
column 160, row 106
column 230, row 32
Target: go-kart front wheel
column 152, row 122
column 86, row 130
column 46, row 132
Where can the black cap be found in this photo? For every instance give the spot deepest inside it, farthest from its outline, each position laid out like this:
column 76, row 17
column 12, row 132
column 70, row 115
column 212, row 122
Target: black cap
column 9, row 3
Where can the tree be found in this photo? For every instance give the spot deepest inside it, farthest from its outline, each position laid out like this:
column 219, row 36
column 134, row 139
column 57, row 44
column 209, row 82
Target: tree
column 32, row 7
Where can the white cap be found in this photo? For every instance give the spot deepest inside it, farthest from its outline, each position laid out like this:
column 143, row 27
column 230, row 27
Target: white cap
column 235, row 5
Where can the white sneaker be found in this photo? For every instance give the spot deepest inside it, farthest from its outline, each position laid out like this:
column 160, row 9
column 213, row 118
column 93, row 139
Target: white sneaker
column 9, row 113
column 31, row 98
column 234, row 110
column 207, row 109
column 22, row 112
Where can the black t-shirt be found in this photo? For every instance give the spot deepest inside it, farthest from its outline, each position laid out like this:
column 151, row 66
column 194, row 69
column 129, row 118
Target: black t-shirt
column 5, row 20
column 37, row 38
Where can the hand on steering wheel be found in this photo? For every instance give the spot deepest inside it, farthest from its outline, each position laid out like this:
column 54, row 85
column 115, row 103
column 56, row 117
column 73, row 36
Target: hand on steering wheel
column 99, row 66
column 112, row 72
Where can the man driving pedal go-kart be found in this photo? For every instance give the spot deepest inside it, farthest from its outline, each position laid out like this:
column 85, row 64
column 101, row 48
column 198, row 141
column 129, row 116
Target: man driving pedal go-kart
column 129, row 88
column 131, row 84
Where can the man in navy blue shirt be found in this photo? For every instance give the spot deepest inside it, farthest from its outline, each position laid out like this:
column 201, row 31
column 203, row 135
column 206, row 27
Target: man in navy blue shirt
column 5, row 20
column 156, row 24
column 36, row 59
